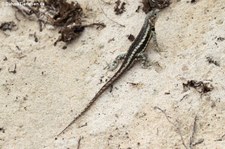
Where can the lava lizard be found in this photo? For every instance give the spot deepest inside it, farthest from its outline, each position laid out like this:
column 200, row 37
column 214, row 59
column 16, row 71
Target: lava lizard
column 135, row 53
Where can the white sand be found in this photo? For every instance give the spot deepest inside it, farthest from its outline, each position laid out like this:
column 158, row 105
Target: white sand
column 52, row 85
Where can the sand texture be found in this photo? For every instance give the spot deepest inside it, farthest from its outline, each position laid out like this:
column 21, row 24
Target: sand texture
column 146, row 108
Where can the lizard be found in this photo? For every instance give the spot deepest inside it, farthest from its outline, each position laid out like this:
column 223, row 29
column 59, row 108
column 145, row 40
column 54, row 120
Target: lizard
column 134, row 53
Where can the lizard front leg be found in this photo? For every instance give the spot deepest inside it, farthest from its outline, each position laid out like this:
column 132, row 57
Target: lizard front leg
column 116, row 62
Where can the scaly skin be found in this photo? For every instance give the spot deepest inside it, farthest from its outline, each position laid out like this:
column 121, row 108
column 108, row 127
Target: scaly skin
column 134, row 53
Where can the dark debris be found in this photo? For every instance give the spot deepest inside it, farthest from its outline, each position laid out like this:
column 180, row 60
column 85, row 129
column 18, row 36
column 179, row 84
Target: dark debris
column 58, row 13
column 7, row 26
column 138, row 9
column 68, row 34
column 212, row 61
column 220, row 39
column 67, row 13
column 200, row 86
column 35, row 37
column 13, row 71
column 149, row 5
column 5, row 58
column 131, row 37
column 2, row 129
column 119, row 7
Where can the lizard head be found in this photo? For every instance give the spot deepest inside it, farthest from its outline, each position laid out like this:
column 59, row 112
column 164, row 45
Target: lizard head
column 152, row 16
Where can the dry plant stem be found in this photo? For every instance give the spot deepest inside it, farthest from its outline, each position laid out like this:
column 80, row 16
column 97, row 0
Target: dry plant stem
column 78, row 143
column 198, row 142
column 108, row 17
column 221, row 138
column 97, row 24
column 193, row 133
column 177, row 127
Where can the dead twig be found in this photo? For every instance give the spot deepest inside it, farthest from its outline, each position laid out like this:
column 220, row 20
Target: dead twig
column 198, row 142
column 193, row 133
column 192, row 143
column 12, row 71
column 221, row 138
column 68, row 34
column 177, row 127
column 78, row 143
column 167, row 117
column 108, row 17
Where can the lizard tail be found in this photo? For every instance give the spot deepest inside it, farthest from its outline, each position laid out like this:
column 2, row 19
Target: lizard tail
column 103, row 88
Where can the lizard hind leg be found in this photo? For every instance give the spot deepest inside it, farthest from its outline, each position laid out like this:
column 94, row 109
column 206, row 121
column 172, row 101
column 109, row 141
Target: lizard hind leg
column 116, row 62
column 145, row 63
column 157, row 49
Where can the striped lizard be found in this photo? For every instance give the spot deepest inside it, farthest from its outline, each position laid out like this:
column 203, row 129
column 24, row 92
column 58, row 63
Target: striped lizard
column 134, row 53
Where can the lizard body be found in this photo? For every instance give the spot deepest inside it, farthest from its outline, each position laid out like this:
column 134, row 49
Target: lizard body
column 134, row 53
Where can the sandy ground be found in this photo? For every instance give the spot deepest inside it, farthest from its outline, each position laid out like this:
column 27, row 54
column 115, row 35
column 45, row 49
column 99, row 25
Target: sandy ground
column 51, row 85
